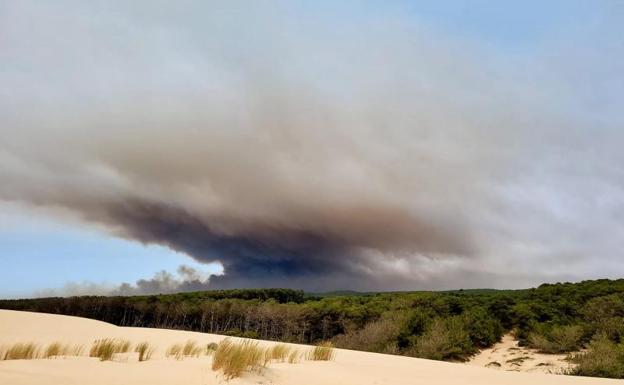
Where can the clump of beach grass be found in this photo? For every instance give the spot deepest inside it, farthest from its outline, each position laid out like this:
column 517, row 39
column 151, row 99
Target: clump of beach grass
column 294, row 357
column 106, row 348
column 279, row 352
column 145, row 351
column 235, row 358
column 188, row 349
column 322, row 352
column 20, row 351
column 57, row 349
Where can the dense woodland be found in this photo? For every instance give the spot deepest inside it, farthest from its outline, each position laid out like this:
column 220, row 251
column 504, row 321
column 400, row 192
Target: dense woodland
column 555, row 318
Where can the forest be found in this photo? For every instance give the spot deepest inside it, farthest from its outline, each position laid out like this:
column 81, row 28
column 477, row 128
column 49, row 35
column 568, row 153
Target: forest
column 451, row 325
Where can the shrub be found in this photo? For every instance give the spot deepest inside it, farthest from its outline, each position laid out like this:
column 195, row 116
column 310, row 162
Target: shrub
column 145, row 351
column 482, row 329
column 603, row 358
column 559, row 339
column 322, row 352
column 106, row 348
column 211, row 347
column 235, row 358
column 21, row 351
column 445, row 339
column 377, row 336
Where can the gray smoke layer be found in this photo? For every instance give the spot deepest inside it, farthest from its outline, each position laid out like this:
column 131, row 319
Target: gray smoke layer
column 303, row 150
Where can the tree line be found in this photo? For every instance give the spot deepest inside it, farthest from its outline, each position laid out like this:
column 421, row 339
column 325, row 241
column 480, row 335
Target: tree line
column 452, row 325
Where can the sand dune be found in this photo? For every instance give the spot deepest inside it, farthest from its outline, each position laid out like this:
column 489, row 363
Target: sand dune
column 508, row 355
column 348, row 368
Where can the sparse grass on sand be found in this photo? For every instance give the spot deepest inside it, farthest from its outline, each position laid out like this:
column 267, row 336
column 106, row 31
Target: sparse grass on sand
column 322, row 352
column 20, row 351
column 145, row 351
column 31, row 351
column 235, row 358
column 278, row 352
column 188, row 349
column 294, row 357
column 57, row 349
column 106, row 348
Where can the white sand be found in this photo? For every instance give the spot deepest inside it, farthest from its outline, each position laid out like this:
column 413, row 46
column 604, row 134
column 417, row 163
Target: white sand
column 507, row 355
column 348, row 368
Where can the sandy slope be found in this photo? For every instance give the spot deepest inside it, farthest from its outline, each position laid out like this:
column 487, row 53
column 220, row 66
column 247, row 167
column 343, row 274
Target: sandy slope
column 507, row 355
column 349, row 367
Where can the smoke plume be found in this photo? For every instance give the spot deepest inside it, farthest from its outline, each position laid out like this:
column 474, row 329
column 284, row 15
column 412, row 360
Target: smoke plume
column 304, row 151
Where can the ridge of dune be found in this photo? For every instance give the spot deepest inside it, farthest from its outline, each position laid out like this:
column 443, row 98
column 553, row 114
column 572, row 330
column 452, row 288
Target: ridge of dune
column 348, row 367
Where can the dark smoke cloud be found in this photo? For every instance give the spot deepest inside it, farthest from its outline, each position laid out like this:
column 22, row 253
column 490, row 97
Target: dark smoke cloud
column 302, row 151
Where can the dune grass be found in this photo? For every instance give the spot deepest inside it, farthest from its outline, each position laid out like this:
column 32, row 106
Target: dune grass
column 145, row 351
column 294, row 357
column 322, row 352
column 279, row 352
column 57, row 349
column 106, row 348
column 20, row 351
column 235, row 358
column 188, row 349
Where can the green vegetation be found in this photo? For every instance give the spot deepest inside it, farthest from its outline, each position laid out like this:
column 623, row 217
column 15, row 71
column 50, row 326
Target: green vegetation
column 603, row 358
column 452, row 325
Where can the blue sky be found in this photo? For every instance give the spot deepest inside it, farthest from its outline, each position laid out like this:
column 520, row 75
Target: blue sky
column 551, row 70
column 40, row 253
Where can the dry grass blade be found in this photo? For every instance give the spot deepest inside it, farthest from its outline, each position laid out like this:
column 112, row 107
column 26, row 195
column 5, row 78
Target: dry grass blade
column 106, row 348
column 322, row 352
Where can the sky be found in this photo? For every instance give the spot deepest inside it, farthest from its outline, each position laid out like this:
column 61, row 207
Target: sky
column 153, row 146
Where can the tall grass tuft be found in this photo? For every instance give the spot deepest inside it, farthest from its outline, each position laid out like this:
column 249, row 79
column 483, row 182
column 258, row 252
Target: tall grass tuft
column 188, row 349
column 235, row 358
column 106, row 348
column 57, row 349
column 191, row 349
column 279, row 352
column 20, row 351
column 175, row 350
column 294, row 357
column 322, row 352
column 145, row 351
